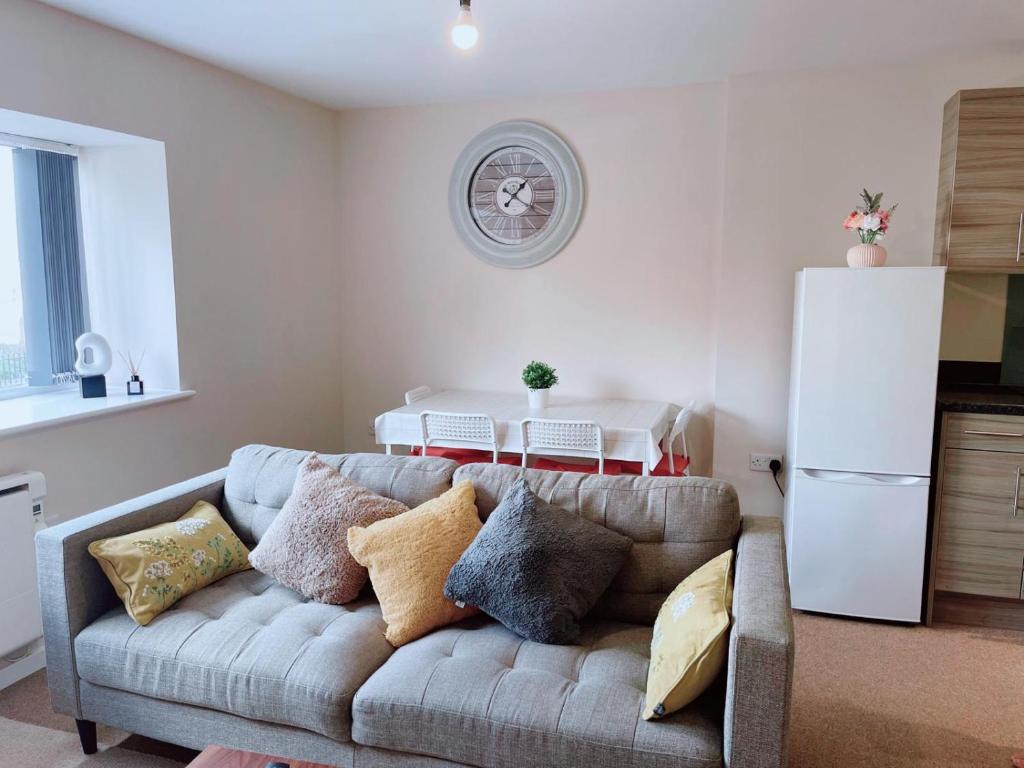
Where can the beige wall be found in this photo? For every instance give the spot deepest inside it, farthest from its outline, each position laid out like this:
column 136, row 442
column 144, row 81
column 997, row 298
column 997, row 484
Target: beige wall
column 799, row 147
column 625, row 310
column 251, row 184
column 649, row 299
column 296, row 296
column 973, row 317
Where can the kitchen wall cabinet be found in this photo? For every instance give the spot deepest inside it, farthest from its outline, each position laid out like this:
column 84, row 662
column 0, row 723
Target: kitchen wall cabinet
column 979, row 221
column 978, row 525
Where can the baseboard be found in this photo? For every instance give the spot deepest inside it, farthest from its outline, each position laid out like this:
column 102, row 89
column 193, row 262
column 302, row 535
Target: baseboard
column 12, row 672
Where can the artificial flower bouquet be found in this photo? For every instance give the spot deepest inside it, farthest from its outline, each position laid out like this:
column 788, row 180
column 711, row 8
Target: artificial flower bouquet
column 869, row 219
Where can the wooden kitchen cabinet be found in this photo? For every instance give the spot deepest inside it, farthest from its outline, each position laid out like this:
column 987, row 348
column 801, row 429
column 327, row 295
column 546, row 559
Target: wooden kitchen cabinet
column 978, row 526
column 979, row 221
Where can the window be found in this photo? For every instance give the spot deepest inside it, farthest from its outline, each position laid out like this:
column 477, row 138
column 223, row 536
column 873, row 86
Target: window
column 12, row 325
column 42, row 296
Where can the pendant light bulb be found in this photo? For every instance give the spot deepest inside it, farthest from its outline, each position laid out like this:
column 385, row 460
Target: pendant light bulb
column 464, row 33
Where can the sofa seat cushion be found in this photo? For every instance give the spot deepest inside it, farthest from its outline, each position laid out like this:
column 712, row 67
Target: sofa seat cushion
column 244, row 645
column 476, row 693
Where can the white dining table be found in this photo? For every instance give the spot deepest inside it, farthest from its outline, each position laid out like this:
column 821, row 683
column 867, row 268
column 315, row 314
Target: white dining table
column 633, row 429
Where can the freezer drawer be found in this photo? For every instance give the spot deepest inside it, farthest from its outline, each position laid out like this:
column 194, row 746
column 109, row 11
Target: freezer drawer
column 858, row 544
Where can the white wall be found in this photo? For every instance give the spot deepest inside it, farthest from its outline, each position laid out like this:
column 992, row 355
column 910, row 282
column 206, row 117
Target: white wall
column 704, row 202
column 799, row 148
column 251, row 176
column 626, row 309
column 129, row 263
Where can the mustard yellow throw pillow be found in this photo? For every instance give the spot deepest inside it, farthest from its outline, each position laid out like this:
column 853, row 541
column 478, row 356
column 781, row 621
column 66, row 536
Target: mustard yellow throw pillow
column 409, row 557
column 153, row 569
column 691, row 638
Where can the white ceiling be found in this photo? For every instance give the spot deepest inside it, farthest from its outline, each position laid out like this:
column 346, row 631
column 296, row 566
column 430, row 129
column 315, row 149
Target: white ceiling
column 353, row 53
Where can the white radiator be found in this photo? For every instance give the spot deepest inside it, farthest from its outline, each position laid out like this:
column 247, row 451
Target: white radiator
column 21, row 626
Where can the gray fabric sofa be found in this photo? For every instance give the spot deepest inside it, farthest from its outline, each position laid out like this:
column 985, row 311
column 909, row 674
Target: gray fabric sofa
column 247, row 663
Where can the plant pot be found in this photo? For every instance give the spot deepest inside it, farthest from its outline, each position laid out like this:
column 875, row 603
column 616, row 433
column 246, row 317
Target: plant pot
column 866, row 255
column 538, row 398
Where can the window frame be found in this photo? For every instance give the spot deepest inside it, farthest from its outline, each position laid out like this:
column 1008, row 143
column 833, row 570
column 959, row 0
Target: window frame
column 14, row 141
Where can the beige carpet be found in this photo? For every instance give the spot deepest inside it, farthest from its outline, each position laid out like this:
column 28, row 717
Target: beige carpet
column 32, row 736
column 866, row 695
column 878, row 695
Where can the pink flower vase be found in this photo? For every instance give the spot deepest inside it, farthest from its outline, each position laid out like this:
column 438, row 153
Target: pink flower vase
column 866, row 255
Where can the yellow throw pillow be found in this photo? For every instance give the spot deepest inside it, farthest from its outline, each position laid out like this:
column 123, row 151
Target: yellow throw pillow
column 409, row 557
column 691, row 638
column 153, row 569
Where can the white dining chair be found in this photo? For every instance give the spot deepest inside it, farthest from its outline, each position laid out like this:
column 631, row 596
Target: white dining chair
column 417, row 394
column 678, row 430
column 558, row 437
column 411, row 397
column 459, row 430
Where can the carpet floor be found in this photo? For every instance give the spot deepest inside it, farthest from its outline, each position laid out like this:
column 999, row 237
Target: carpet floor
column 865, row 695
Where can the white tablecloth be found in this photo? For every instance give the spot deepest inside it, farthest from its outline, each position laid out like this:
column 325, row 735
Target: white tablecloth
column 633, row 429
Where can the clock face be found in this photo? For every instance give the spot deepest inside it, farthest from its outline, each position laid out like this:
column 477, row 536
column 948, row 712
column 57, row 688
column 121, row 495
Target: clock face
column 512, row 196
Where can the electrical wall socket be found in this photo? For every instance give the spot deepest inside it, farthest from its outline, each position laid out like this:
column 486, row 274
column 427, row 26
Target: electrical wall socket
column 371, row 429
column 759, row 461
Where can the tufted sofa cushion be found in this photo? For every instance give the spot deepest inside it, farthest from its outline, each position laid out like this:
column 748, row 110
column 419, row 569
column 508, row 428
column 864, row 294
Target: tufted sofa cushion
column 677, row 524
column 244, row 645
column 260, row 480
column 477, row 694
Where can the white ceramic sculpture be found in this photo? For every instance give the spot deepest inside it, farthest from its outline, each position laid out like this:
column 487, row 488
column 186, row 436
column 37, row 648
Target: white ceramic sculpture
column 94, row 357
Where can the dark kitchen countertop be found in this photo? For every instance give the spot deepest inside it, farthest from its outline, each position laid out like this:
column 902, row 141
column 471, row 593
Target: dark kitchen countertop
column 981, row 399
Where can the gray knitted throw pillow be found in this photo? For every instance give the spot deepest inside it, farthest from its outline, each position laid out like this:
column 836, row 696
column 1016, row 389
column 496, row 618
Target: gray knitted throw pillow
column 537, row 568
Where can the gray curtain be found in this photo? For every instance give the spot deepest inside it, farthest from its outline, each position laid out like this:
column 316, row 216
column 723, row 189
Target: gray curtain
column 58, row 213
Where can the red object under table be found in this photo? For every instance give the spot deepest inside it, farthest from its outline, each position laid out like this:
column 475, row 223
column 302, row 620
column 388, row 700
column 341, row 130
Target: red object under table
column 465, row 455
column 637, row 468
column 611, row 467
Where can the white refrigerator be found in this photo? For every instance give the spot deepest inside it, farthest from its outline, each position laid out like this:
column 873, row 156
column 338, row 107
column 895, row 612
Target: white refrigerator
column 858, row 456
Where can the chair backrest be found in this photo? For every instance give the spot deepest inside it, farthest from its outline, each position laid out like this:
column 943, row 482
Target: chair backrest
column 678, row 430
column 560, row 437
column 458, row 430
column 417, row 394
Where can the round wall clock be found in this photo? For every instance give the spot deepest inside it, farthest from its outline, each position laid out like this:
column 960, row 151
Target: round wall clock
column 516, row 194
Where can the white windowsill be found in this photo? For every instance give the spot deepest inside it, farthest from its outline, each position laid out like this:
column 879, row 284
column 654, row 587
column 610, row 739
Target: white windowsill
column 23, row 414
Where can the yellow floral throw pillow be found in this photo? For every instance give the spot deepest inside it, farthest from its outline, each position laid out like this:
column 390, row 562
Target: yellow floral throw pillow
column 153, row 569
column 691, row 638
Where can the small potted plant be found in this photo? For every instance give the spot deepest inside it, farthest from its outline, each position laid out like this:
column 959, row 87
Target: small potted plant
column 539, row 378
column 871, row 222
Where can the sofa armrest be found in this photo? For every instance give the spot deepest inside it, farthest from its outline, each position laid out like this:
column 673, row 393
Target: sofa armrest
column 74, row 592
column 760, row 674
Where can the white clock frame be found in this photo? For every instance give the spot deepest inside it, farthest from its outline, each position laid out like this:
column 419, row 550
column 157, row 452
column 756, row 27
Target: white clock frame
column 565, row 216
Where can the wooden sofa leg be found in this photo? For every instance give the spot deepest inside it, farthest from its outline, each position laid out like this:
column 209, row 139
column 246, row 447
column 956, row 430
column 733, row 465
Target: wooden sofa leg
column 87, row 735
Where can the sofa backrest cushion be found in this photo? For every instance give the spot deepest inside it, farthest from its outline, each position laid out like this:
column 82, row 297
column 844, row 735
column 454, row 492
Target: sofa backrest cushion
column 260, row 479
column 677, row 524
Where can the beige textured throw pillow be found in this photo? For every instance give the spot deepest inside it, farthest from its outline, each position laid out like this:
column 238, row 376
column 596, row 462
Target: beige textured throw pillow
column 306, row 546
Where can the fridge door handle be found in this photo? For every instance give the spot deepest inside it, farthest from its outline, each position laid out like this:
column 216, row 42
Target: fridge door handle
column 862, row 478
